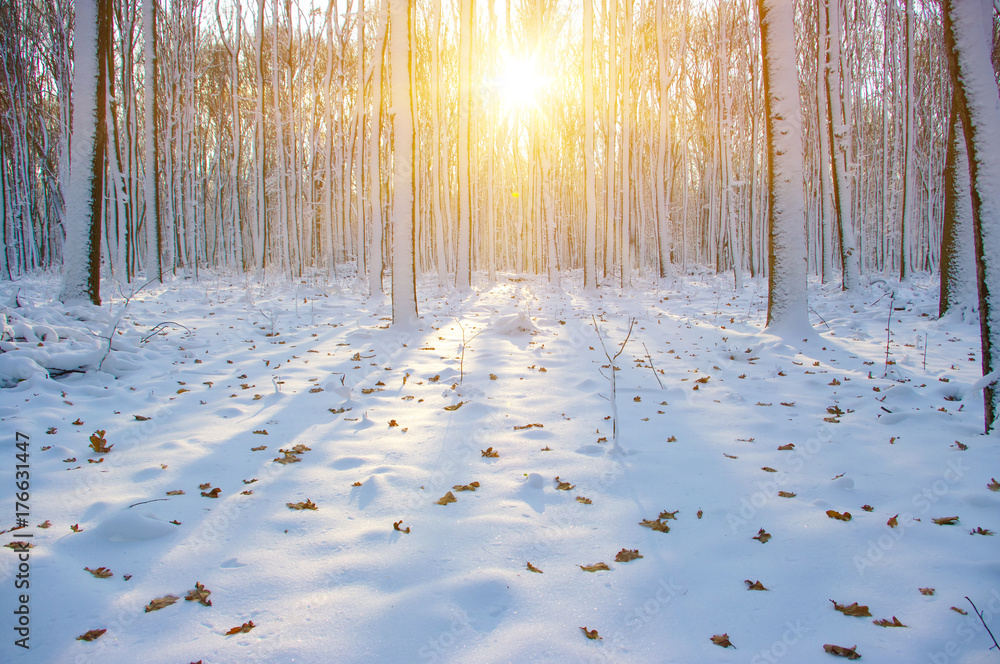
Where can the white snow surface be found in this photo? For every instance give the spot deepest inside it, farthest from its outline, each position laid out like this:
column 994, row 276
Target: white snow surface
column 317, row 366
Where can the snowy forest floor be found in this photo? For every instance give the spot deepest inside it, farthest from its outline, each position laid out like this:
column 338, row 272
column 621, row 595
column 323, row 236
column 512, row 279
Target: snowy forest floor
column 747, row 433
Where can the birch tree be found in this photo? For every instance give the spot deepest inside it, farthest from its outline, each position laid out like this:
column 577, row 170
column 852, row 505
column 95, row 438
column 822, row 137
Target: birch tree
column 404, row 287
column 786, row 305
column 589, row 158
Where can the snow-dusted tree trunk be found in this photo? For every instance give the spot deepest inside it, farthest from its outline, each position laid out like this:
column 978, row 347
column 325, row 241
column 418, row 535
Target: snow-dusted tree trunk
column 404, row 287
column 436, row 189
column 910, row 131
column 589, row 158
column 84, row 200
column 625, row 243
column 840, row 146
column 786, row 305
column 260, row 145
column 374, row 156
column 958, row 254
column 611, row 134
column 463, row 269
column 968, row 32
column 150, row 183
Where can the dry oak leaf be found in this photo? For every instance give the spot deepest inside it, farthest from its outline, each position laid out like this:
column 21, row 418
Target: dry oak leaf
column 596, row 567
column 958, row 610
column 849, row 653
column 787, row 494
column 625, row 555
column 242, row 629
column 789, row 446
column 993, row 485
column 867, row 508
column 588, row 501
column 455, row 406
column 591, row 633
column 852, row 609
column 699, row 514
column 946, row 520
column 261, row 432
column 98, row 443
column 762, row 536
column 563, row 486
column 214, row 493
column 471, row 486
column 722, row 640
column 259, row 448
column 47, row 524
column 885, row 622
column 656, row 525
column 17, row 545
column 532, row 568
column 833, row 514
column 447, row 498
column 665, row 515
column 160, row 603
column 395, row 526
column 356, row 484
column 204, row 486
column 393, row 423
column 100, row 572
column 768, row 469
column 893, row 522
column 980, row 531
column 199, row 594
column 90, row 635
column 308, row 505
column 529, row 426
column 76, row 528
column 754, row 585
column 176, row 492
column 926, row 591
column 489, row 452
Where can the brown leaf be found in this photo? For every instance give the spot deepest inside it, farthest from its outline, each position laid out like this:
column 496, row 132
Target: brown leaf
column 893, row 522
column 356, row 484
column 259, row 448
column 532, row 568
column 308, row 505
column 98, row 443
column 585, row 501
column 625, row 555
column 18, row 545
column 852, row 609
column 946, row 520
column 204, row 486
column 214, row 493
column 789, row 446
column 563, row 486
column 176, row 492
column 763, row 536
column 591, row 633
column 471, row 486
column 981, row 531
column 160, row 603
column 76, row 528
column 666, row 516
column 90, row 635
column 699, row 514
column 250, row 481
column 729, row 456
column 787, row 494
column 489, row 452
column 528, row 426
column 849, row 653
column 100, row 572
column 261, row 432
column 242, row 629
column 596, row 567
column 395, row 526
column 867, row 508
column 846, row 516
column 393, row 423
column 199, row 594
column 455, row 406
column 722, row 640
column 47, row 524
column 447, row 498
column 141, row 418
column 958, row 610
column 657, row 525
column 768, row 469
column 885, row 622
column 754, row 585
column 926, row 591
column 993, row 485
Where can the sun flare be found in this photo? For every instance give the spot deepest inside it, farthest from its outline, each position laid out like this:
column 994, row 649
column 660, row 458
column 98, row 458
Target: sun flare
column 520, row 83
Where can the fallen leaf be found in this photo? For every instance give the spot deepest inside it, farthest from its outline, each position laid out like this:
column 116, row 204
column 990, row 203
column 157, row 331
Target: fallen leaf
column 259, row 448
column 849, row 653
column 471, row 486
column 656, row 525
column 722, row 640
column 852, row 609
column 958, row 610
column 893, row 522
column 250, row 481
column 665, row 515
column 18, row 545
column 789, row 446
column 833, row 514
column 78, row 422
column 308, row 505
column 90, row 635
column 837, row 477
column 489, row 452
column 768, row 469
column 532, row 568
column 214, row 493
column 729, row 456
column 204, row 486
column 591, row 633
column 176, row 522
column 597, row 567
column 961, row 446
column 946, row 520
column 455, row 406
column 981, row 531
column 889, row 623
column 763, row 536
column 529, row 426
column 563, row 486
column 76, row 528
column 926, row 591
column 754, row 585
column 867, row 508
column 787, row 494
column 393, row 423
column 100, row 572
column 493, row 376
column 242, row 629
column 47, row 524
column 98, row 442
column 261, row 432
column 993, row 485
column 199, row 594
column 356, row 484
column 160, row 603
column 447, row 498
column 699, row 514
column 625, row 555
column 585, row 501
column 395, row 526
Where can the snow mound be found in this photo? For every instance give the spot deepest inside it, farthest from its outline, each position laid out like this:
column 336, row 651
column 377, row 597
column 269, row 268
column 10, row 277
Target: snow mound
column 514, row 325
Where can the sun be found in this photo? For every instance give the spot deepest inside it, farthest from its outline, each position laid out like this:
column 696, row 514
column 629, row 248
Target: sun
column 520, row 83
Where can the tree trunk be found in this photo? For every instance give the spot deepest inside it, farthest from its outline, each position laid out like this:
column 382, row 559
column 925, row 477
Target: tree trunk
column 404, row 287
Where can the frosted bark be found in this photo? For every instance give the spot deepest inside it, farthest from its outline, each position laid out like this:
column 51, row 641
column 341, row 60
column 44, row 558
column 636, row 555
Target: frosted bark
column 589, row 158
column 149, row 183
column 463, row 269
column 958, row 252
column 786, row 306
column 404, row 288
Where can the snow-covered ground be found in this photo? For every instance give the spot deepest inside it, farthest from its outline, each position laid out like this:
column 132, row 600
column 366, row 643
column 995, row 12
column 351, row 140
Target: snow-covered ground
column 389, row 422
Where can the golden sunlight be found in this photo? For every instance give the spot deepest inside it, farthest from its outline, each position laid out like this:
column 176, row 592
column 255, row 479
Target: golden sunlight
column 519, row 83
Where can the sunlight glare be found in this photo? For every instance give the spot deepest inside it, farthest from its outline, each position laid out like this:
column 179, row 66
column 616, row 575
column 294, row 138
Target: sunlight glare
column 520, row 83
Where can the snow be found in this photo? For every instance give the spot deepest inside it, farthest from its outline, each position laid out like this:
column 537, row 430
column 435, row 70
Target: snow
column 340, row 584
